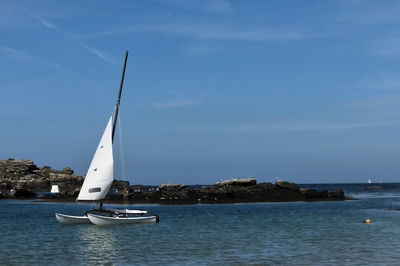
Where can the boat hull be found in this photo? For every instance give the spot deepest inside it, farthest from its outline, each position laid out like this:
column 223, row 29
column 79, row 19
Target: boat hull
column 105, row 220
column 69, row 219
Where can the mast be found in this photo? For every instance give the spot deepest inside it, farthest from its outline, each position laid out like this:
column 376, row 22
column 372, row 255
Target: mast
column 116, row 110
column 119, row 97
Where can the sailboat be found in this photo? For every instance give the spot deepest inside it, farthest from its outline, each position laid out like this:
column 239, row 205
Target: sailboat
column 369, row 181
column 99, row 179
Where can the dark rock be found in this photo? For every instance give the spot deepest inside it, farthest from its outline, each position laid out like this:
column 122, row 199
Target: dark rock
column 287, row 185
column 311, row 194
column 141, row 194
column 304, row 190
column 324, row 193
column 135, row 194
column 12, row 168
column 140, row 189
column 120, row 184
column 4, row 186
column 68, row 170
column 177, row 192
column 26, row 177
column 75, row 192
column 337, row 194
column 215, row 193
column 4, row 195
column 36, row 185
column 266, row 186
column 22, row 193
column 223, row 192
column 253, row 193
column 237, row 182
column 24, row 174
column 226, row 191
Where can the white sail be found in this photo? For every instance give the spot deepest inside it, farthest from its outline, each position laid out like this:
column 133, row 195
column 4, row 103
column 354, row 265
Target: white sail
column 100, row 174
column 54, row 189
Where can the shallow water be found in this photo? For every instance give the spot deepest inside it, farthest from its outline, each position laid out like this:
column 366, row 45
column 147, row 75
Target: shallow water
column 301, row 233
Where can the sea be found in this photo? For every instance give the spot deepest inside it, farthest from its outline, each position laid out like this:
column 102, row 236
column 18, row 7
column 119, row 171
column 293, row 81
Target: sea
column 268, row 233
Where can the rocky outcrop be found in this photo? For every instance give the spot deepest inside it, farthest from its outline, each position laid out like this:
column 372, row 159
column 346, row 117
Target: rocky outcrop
column 248, row 193
column 136, row 194
column 173, row 192
column 24, row 174
column 26, row 178
column 312, row 194
column 228, row 191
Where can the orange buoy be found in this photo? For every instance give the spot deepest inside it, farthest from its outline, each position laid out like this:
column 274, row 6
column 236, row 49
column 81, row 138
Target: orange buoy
column 367, row 221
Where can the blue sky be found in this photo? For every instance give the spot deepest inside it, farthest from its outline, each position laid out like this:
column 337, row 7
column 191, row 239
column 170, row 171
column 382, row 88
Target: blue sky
column 307, row 91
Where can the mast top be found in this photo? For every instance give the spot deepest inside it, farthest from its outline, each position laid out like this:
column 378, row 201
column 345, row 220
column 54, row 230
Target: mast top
column 119, row 96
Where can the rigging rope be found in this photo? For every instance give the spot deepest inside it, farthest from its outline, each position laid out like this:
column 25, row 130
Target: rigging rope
column 121, row 149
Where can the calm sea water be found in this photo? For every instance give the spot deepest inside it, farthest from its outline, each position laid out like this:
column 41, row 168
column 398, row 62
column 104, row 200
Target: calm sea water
column 301, row 233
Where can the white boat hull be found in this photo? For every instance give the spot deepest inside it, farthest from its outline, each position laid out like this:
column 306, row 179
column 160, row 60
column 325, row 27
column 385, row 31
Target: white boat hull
column 105, row 220
column 69, row 219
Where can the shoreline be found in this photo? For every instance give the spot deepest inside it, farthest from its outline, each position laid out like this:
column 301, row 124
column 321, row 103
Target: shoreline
column 227, row 191
column 21, row 179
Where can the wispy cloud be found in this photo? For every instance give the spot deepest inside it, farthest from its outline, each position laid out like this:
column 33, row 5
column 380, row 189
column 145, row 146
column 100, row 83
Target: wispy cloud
column 176, row 104
column 40, row 19
column 296, row 127
column 24, row 56
column 101, row 55
column 209, row 32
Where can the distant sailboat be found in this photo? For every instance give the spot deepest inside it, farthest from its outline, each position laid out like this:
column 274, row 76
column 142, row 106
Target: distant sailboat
column 55, row 189
column 369, row 181
column 99, row 179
